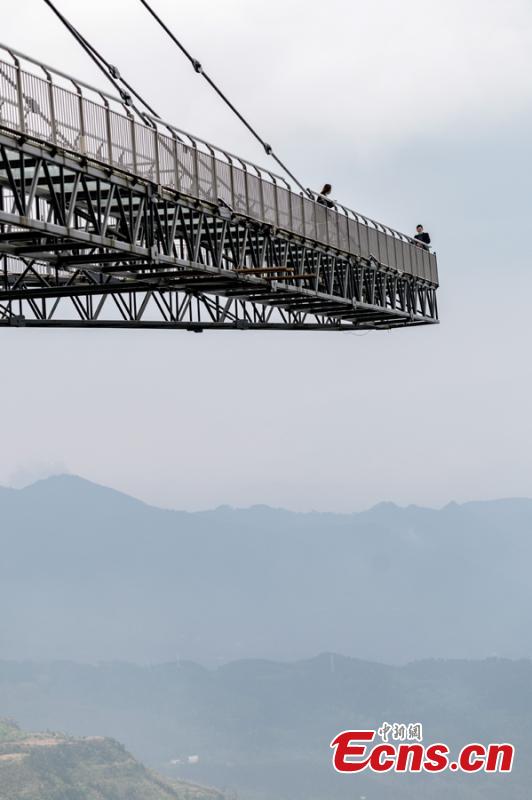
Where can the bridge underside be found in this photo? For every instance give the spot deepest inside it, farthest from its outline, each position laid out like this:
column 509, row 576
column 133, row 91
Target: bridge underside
column 86, row 245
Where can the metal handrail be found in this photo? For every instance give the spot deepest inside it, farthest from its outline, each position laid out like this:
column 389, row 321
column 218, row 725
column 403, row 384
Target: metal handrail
column 315, row 220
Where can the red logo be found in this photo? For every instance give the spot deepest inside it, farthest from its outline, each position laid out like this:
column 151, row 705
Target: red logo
column 354, row 752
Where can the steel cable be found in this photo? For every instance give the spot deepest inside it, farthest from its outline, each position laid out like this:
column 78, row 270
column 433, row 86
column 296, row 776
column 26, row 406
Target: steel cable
column 199, row 69
column 111, row 72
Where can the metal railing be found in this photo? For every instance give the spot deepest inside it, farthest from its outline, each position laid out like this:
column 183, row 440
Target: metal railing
column 77, row 117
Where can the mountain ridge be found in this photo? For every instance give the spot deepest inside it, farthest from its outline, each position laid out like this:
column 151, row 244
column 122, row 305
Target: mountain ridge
column 89, row 574
column 63, row 480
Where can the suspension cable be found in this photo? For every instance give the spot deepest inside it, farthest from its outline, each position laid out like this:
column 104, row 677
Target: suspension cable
column 200, row 71
column 111, row 72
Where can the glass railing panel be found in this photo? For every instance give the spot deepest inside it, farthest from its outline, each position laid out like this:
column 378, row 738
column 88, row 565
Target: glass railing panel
column 67, row 118
column 426, row 265
column 321, row 220
column 37, row 116
column 206, row 183
column 364, row 240
column 223, row 182
column 310, row 217
column 433, row 269
column 186, row 169
column 418, row 270
column 283, row 208
column 408, row 262
column 332, row 228
column 121, row 141
column 373, row 240
column 398, row 252
column 297, row 213
column 167, row 161
column 354, row 235
column 9, row 109
column 145, row 150
column 95, row 141
column 383, row 256
column 343, row 232
column 270, row 209
column 254, row 196
column 239, row 191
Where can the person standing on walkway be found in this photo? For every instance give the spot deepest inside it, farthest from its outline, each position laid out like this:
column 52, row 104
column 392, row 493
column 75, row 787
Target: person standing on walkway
column 422, row 236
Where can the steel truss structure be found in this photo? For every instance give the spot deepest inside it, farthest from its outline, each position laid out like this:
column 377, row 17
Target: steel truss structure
column 93, row 244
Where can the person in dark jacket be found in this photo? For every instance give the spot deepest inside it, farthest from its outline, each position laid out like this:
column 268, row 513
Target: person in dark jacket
column 323, row 197
column 422, row 236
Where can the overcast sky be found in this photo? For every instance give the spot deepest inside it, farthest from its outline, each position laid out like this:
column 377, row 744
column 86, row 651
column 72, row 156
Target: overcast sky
column 415, row 112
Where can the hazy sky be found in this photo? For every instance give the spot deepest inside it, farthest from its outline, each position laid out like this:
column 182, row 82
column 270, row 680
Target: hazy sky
column 415, row 112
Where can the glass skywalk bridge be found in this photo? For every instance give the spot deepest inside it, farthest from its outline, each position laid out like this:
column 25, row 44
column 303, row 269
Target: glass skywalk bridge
column 101, row 204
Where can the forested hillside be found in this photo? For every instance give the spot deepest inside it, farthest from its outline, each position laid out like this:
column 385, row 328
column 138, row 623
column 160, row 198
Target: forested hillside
column 52, row 766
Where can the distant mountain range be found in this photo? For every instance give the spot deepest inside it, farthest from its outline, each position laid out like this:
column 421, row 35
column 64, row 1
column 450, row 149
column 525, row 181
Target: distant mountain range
column 90, row 574
column 262, row 729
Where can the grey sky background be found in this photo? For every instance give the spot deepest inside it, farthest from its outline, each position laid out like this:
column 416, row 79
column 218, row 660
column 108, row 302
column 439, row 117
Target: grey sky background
column 415, row 112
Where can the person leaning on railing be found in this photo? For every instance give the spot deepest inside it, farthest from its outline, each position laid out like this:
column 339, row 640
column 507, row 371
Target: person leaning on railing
column 422, row 237
column 323, row 197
